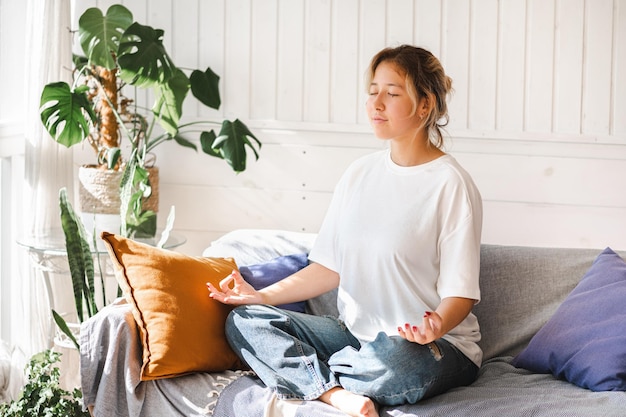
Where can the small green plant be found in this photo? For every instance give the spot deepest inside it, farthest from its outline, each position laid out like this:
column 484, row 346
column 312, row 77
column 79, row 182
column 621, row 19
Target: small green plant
column 42, row 396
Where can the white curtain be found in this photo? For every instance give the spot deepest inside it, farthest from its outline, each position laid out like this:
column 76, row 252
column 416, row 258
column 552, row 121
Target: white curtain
column 48, row 165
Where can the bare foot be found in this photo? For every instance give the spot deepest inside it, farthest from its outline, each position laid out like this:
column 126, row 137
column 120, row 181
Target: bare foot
column 352, row 404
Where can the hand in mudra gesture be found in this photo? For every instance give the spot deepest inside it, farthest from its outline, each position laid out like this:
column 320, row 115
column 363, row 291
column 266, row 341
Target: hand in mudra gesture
column 427, row 332
column 239, row 293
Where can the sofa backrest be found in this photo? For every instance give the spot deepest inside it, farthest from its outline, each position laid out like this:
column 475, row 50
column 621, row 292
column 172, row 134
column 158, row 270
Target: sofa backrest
column 521, row 287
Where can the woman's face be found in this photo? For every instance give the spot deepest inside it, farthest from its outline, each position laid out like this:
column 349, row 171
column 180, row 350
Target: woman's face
column 390, row 106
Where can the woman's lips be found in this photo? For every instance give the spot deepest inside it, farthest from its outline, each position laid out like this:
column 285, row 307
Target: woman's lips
column 378, row 119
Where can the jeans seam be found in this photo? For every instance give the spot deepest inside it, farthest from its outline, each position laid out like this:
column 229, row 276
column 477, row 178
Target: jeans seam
column 313, row 396
column 318, row 381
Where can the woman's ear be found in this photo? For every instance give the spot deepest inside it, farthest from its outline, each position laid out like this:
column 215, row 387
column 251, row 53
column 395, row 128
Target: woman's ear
column 424, row 107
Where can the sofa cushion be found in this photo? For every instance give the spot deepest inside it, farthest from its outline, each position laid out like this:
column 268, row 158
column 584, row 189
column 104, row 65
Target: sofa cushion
column 182, row 328
column 584, row 342
column 267, row 273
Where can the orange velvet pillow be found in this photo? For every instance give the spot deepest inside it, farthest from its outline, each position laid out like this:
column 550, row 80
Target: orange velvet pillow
column 182, row 328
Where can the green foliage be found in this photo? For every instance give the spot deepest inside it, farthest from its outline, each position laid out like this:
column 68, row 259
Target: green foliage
column 99, row 34
column 42, row 396
column 62, row 324
column 136, row 58
column 168, row 104
column 66, row 114
column 204, row 85
column 81, row 266
column 135, row 187
column 79, row 258
column 232, row 142
column 142, row 57
column 114, row 41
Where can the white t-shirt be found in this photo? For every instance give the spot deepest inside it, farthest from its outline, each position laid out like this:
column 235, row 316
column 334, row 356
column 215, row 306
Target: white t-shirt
column 402, row 239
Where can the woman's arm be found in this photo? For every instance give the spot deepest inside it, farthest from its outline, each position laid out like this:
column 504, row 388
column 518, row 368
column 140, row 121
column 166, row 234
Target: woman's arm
column 309, row 282
column 449, row 314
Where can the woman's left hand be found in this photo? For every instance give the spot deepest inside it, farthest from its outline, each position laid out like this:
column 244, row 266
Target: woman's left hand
column 450, row 312
column 428, row 331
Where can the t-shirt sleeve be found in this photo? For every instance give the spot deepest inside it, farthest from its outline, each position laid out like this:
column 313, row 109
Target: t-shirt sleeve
column 459, row 267
column 460, row 264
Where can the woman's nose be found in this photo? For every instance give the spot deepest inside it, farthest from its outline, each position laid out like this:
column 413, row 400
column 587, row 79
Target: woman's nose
column 377, row 102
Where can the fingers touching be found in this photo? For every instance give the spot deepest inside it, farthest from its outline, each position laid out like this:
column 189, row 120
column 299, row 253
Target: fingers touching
column 426, row 332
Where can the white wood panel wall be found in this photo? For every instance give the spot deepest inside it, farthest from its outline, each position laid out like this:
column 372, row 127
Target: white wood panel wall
column 538, row 116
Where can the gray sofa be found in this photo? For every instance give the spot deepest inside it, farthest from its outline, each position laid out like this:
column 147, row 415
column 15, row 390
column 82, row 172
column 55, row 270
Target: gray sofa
column 521, row 289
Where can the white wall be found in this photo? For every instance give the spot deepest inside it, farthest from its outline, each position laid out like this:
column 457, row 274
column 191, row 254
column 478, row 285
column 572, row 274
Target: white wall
column 538, row 116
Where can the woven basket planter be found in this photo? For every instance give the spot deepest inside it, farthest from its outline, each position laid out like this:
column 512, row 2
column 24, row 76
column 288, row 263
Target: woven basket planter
column 99, row 199
column 99, row 190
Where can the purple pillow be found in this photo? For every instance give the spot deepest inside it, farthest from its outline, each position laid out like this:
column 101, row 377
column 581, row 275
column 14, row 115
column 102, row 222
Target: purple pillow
column 584, row 342
column 266, row 273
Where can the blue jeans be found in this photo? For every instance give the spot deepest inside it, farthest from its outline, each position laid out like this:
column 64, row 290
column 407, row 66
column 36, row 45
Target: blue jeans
column 301, row 356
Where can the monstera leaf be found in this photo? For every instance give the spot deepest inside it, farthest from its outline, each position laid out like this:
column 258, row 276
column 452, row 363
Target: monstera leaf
column 231, row 144
column 142, row 57
column 205, row 87
column 168, row 104
column 100, row 35
column 65, row 113
column 207, row 139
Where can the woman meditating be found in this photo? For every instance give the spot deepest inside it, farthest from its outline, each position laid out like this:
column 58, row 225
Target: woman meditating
column 401, row 242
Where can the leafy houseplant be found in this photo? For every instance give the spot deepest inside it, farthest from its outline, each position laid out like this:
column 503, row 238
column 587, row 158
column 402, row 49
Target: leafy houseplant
column 121, row 57
column 42, row 395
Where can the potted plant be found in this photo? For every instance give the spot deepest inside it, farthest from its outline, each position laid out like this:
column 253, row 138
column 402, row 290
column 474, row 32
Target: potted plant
column 123, row 57
column 43, row 395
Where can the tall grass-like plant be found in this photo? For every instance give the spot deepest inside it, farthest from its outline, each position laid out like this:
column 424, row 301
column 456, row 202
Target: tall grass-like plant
column 80, row 260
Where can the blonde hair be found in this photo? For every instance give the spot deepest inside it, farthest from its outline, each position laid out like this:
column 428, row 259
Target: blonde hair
column 425, row 77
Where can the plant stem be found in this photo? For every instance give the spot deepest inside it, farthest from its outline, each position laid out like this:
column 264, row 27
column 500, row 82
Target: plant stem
column 109, row 127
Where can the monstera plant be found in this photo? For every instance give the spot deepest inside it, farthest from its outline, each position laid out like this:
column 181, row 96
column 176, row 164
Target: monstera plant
column 122, row 59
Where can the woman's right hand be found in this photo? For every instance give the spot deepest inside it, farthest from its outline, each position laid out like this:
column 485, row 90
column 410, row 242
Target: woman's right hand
column 241, row 292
